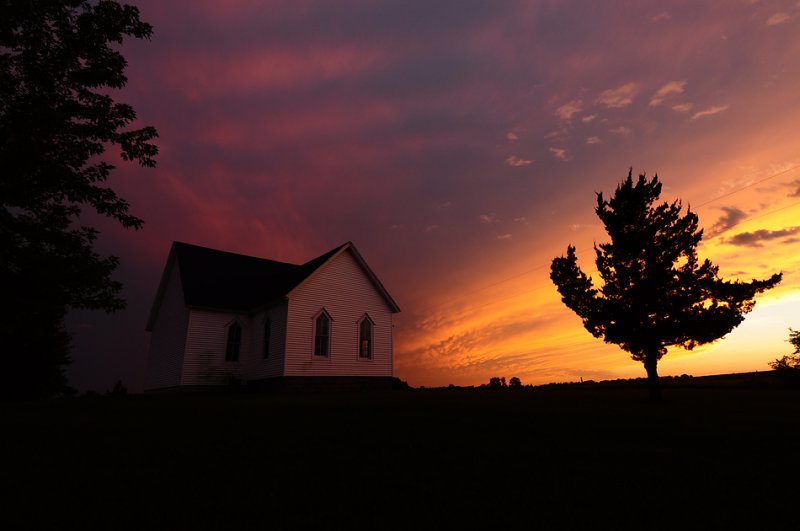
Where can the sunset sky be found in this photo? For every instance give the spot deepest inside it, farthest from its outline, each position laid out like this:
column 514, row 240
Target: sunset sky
column 459, row 145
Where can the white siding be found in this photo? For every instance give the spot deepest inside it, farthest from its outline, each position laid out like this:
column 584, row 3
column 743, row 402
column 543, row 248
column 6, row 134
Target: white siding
column 259, row 367
column 168, row 337
column 204, row 362
column 344, row 290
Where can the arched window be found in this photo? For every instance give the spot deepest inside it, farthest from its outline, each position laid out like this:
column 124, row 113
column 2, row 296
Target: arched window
column 267, row 336
column 365, row 338
column 234, row 342
column 322, row 334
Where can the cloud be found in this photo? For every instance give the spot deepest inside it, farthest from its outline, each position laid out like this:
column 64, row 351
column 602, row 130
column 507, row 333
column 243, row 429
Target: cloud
column 673, row 87
column 619, row 97
column 715, row 109
column 593, row 140
column 385, row 111
column 504, row 237
column 756, row 238
column 778, row 18
column 515, row 162
column 202, row 75
column 559, row 134
column 682, row 107
column 489, row 219
column 731, row 218
column 559, row 153
column 796, row 185
column 663, row 15
column 621, row 130
column 476, row 339
column 566, row 111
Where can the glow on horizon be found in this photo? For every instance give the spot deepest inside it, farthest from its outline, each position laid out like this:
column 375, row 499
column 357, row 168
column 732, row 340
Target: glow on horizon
column 555, row 347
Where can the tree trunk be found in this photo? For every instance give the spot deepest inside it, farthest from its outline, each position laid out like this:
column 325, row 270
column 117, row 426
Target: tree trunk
column 650, row 364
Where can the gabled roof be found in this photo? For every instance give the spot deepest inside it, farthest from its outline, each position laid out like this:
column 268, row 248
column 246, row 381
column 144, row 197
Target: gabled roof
column 235, row 282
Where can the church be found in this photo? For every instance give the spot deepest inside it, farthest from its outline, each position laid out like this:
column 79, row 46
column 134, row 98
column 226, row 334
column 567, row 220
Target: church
column 221, row 318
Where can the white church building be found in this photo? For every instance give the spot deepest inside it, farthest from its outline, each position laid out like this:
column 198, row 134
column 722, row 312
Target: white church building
column 220, row 318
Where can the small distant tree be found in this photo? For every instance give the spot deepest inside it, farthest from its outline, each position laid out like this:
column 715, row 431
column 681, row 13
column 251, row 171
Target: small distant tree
column 655, row 292
column 515, row 382
column 791, row 361
column 496, row 382
column 118, row 390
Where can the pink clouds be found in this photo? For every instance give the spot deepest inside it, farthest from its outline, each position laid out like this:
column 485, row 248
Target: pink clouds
column 454, row 143
column 566, row 111
column 202, row 76
column 673, row 87
column 296, row 125
column 516, row 162
column 710, row 111
column 778, row 18
column 621, row 96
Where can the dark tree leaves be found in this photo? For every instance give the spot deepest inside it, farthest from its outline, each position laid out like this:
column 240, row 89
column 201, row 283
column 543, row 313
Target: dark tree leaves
column 655, row 292
column 791, row 362
column 59, row 65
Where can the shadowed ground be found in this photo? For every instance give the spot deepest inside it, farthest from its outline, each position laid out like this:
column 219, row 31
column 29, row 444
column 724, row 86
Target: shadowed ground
column 710, row 454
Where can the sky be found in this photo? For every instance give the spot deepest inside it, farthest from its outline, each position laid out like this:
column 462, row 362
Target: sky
column 459, row 145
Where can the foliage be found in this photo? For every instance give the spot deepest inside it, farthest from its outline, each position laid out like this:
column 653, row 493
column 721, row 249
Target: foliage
column 655, row 292
column 118, row 390
column 58, row 66
column 497, row 382
column 399, row 385
column 515, row 382
column 790, row 361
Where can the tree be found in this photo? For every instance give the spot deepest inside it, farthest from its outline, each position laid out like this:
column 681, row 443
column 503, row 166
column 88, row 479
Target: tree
column 515, row 382
column 655, row 293
column 791, row 361
column 59, row 65
column 497, row 382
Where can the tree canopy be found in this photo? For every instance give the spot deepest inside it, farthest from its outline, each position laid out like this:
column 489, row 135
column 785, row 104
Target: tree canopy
column 59, row 65
column 790, row 362
column 655, row 292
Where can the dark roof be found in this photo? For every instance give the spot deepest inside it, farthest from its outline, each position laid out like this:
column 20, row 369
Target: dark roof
column 230, row 281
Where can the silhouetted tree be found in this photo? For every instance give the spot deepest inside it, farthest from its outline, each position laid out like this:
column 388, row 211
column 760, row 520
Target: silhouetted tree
column 791, row 361
column 497, row 382
column 655, row 292
column 515, row 382
column 118, row 390
column 58, row 67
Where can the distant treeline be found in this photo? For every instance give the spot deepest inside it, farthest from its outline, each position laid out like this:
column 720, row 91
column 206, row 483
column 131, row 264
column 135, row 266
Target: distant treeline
column 757, row 378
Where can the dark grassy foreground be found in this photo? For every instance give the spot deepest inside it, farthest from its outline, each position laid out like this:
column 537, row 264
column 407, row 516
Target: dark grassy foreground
column 709, row 455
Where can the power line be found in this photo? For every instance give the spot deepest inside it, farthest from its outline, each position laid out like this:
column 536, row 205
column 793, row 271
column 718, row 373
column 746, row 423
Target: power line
column 751, row 218
column 747, row 186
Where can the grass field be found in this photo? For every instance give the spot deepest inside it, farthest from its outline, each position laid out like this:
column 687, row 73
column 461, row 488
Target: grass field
column 709, row 455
